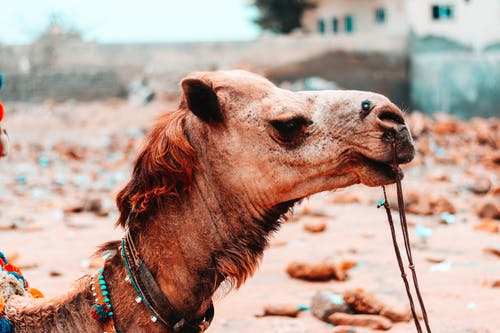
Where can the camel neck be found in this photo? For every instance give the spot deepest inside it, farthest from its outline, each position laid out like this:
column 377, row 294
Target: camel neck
column 193, row 244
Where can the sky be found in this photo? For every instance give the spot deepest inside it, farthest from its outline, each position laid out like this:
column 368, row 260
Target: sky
column 115, row 21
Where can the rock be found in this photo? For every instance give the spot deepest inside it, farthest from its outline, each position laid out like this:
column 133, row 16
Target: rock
column 429, row 205
column 493, row 250
column 326, row 302
column 370, row 321
column 315, row 272
column 343, row 198
column 286, row 310
column 315, row 226
column 362, row 301
column 487, row 225
column 394, row 315
column 488, row 207
column 480, row 186
column 346, row 265
column 54, row 273
column 491, row 160
column 495, row 191
column 93, row 205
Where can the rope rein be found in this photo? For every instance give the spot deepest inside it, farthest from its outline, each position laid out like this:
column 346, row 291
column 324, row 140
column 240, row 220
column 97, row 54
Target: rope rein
column 406, row 239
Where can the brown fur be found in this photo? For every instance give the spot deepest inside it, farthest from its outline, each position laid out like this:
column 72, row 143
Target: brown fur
column 164, row 167
column 212, row 182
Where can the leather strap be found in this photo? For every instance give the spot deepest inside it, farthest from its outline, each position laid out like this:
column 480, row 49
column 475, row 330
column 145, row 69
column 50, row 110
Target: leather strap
column 153, row 297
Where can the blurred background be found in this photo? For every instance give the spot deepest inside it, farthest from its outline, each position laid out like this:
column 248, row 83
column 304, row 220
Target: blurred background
column 427, row 55
column 84, row 81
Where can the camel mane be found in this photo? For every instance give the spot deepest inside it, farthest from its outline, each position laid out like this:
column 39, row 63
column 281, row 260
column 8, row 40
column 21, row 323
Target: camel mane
column 163, row 169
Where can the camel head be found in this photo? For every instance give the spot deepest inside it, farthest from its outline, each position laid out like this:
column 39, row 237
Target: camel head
column 274, row 145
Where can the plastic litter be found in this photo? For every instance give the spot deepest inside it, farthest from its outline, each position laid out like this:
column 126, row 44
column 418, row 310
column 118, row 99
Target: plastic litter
column 423, row 232
column 448, row 218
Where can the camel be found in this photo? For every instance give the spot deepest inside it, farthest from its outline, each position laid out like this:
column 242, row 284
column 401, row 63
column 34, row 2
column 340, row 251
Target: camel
column 210, row 185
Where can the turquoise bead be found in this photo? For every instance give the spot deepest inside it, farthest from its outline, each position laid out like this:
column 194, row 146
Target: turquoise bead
column 101, row 277
column 108, row 305
column 100, row 270
column 104, row 293
column 110, row 313
column 106, row 300
column 102, row 282
column 103, row 287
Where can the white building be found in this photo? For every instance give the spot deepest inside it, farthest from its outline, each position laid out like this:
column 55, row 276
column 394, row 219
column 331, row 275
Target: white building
column 475, row 23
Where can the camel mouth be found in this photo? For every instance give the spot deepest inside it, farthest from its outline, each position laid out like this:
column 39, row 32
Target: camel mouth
column 377, row 173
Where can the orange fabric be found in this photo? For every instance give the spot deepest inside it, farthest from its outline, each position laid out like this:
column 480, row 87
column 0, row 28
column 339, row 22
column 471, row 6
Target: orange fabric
column 36, row 293
column 2, row 305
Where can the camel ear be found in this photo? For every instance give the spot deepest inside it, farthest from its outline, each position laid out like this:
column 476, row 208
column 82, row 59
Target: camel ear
column 201, row 100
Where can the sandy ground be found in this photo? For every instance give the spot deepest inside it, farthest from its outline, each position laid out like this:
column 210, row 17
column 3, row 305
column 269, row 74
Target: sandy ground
column 64, row 155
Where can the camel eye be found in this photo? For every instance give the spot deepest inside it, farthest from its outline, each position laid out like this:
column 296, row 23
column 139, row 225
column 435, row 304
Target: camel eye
column 290, row 130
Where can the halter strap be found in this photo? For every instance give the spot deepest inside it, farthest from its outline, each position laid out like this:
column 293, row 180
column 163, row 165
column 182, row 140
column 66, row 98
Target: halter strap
column 150, row 293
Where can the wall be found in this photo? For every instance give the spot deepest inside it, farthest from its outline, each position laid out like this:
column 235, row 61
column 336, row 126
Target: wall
column 74, row 66
column 384, row 73
column 453, row 79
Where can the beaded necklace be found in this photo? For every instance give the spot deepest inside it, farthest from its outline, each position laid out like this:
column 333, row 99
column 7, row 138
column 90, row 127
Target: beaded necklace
column 102, row 310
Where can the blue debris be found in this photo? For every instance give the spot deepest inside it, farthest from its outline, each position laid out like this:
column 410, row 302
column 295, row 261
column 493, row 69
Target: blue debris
column 22, row 179
column 43, row 161
column 335, row 298
column 444, row 266
column 422, row 231
column 448, row 218
column 301, row 307
column 359, row 265
column 380, row 203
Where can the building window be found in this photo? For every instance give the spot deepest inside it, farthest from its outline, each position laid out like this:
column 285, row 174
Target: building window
column 321, row 26
column 335, row 25
column 380, row 15
column 442, row 12
column 349, row 23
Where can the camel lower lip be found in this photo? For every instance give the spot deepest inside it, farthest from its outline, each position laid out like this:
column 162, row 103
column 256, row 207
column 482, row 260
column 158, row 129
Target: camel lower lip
column 385, row 170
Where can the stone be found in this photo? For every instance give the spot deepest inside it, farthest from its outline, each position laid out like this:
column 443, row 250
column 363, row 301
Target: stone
column 326, row 302
column 480, row 186
column 488, row 207
column 315, row 226
column 363, row 302
column 487, row 225
column 493, row 250
column 429, row 205
column 315, row 272
column 285, row 310
column 371, row 321
column 343, row 198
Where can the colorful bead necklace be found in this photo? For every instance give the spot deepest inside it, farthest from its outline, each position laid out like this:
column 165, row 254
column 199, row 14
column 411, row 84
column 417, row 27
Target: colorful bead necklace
column 102, row 311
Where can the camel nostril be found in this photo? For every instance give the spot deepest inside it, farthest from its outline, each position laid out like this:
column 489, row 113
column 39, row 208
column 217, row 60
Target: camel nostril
column 392, row 117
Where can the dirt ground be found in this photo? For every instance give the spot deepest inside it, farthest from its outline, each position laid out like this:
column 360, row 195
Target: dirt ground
column 72, row 157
